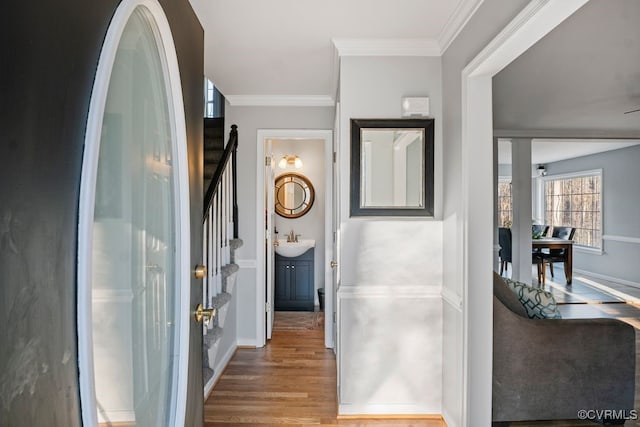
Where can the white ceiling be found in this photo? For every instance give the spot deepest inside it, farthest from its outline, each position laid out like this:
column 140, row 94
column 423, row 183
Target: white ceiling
column 284, row 47
column 544, row 151
column 582, row 76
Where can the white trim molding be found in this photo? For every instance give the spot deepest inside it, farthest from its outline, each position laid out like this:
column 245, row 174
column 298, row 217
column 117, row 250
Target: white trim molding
column 624, row 239
column 263, row 135
column 388, row 410
column 569, row 134
column 460, row 17
column 246, row 263
column 386, row 47
column 219, row 369
column 280, row 100
column 605, row 277
column 248, row 342
column 452, row 298
column 400, row 291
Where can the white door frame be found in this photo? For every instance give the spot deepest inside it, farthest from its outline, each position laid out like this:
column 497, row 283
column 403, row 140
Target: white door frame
column 264, row 134
column 87, row 203
column 536, row 20
column 269, row 173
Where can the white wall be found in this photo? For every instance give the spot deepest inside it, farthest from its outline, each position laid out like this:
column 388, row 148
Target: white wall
column 485, row 24
column 249, row 120
column 389, row 303
column 311, row 224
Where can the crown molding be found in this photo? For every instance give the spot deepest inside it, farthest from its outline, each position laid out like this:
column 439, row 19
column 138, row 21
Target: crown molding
column 460, row 17
column 280, row 100
column 386, row 47
column 574, row 134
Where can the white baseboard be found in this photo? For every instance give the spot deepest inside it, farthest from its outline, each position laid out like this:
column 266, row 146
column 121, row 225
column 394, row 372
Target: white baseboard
column 247, row 342
column 449, row 420
column 605, row 277
column 219, row 369
column 388, row 410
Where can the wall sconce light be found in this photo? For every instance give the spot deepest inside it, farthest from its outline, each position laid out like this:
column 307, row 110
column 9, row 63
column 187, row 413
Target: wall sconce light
column 290, row 160
column 542, row 171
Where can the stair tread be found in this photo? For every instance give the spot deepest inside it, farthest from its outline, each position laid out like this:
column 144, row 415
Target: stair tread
column 212, row 337
column 221, row 299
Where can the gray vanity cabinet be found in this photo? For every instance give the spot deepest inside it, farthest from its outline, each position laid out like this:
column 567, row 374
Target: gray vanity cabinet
column 294, row 282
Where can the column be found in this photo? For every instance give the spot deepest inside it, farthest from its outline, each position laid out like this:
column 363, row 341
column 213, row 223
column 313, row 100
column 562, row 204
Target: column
column 521, row 192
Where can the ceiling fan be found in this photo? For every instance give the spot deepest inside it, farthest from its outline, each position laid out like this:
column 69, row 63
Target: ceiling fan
column 632, row 111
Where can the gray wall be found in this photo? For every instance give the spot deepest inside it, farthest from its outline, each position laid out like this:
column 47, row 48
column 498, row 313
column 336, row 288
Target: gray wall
column 390, row 267
column 620, row 212
column 249, row 120
column 485, row 24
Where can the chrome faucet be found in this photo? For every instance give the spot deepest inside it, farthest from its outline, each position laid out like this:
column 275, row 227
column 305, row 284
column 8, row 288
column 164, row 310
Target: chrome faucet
column 292, row 237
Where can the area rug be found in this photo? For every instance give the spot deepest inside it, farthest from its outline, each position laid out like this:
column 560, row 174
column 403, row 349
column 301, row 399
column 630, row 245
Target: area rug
column 298, row 320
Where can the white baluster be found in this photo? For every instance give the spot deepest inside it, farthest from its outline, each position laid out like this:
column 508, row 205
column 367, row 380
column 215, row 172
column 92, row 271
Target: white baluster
column 226, row 215
column 218, row 243
column 210, row 264
column 205, row 261
column 230, row 205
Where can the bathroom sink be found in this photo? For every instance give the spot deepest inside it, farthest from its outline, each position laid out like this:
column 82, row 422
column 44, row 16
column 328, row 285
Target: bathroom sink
column 294, row 249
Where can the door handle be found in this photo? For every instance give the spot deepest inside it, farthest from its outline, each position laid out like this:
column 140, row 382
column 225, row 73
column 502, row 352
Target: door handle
column 204, row 313
column 333, row 264
column 200, row 272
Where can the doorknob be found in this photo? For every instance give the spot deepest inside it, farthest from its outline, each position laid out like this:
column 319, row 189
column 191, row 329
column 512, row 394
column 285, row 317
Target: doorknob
column 200, row 272
column 204, row 313
column 333, row 264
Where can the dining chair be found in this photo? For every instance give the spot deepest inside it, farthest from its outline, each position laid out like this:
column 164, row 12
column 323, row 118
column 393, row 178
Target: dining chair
column 558, row 255
column 504, row 239
column 539, row 229
column 505, row 253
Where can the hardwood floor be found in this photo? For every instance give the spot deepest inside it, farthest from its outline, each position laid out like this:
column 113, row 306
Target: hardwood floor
column 292, row 382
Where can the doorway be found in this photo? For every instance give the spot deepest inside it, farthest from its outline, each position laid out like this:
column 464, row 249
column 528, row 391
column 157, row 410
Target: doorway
column 476, row 226
column 274, row 148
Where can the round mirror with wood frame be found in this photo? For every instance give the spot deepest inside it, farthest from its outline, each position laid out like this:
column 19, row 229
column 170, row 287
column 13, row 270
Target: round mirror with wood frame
column 294, row 195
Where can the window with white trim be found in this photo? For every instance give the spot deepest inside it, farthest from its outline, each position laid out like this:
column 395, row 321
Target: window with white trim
column 213, row 100
column 576, row 201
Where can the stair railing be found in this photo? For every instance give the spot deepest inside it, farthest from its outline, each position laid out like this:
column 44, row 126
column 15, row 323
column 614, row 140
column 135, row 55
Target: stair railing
column 220, row 222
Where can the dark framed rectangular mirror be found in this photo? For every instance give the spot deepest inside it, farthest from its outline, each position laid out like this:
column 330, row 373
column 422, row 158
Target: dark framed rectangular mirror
column 392, row 167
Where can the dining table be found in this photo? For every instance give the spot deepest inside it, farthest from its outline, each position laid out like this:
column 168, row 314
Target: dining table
column 558, row 243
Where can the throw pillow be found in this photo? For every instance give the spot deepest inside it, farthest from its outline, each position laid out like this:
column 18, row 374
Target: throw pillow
column 539, row 303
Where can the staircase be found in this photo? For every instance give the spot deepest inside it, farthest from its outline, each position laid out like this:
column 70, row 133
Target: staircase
column 220, row 242
column 214, row 332
column 213, row 147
